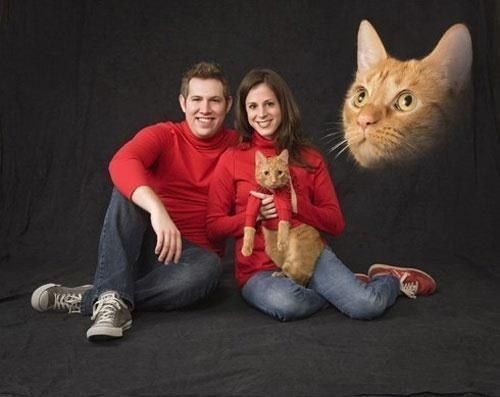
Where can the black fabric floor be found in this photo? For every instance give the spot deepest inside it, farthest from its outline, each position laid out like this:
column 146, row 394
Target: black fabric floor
column 446, row 344
column 79, row 78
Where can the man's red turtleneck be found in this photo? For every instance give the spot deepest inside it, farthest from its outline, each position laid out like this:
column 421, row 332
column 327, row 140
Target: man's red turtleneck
column 178, row 166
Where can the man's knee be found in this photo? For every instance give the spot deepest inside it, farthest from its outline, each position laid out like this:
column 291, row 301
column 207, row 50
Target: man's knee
column 212, row 269
column 120, row 203
column 205, row 271
column 180, row 285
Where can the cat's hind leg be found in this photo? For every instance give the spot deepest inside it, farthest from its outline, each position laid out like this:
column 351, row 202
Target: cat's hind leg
column 271, row 247
column 305, row 246
column 283, row 235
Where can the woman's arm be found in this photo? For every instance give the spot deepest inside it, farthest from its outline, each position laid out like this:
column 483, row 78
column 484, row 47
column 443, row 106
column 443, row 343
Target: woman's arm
column 322, row 210
column 221, row 220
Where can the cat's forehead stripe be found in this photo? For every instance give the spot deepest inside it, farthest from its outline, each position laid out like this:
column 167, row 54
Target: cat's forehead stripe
column 383, row 75
column 394, row 77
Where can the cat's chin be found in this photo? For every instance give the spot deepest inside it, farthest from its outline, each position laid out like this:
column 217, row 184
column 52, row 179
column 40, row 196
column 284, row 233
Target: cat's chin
column 374, row 161
column 371, row 162
column 367, row 156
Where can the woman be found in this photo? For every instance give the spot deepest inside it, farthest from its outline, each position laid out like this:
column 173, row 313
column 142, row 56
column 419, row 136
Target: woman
column 269, row 120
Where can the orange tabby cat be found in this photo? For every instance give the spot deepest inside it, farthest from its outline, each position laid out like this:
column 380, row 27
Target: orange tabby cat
column 294, row 250
column 396, row 110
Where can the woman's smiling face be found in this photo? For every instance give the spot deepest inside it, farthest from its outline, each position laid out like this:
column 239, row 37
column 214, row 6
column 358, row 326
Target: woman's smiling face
column 263, row 110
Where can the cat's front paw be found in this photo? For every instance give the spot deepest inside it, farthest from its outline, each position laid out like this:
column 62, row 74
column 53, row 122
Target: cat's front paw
column 278, row 274
column 248, row 239
column 246, row 250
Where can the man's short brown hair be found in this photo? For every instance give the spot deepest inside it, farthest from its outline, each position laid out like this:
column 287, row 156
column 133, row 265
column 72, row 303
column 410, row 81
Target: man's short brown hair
column 205, row 70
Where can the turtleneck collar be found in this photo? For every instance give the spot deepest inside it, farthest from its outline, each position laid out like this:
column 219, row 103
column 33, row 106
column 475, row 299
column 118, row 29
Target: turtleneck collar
column 202, row 144
column 260, row 142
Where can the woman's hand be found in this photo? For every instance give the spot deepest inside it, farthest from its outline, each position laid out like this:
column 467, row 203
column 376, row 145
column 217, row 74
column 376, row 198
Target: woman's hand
column 293, row 197
column 267, row 208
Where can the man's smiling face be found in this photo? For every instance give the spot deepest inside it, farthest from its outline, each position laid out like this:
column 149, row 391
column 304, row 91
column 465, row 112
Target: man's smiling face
column 205, row 107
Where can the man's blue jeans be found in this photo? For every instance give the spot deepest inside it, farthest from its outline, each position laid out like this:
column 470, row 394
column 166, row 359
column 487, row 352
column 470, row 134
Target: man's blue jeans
column 332, row 283
column 128, row 265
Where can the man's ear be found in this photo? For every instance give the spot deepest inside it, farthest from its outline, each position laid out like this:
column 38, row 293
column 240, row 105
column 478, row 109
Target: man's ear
column 182, row 102
column 229, row 100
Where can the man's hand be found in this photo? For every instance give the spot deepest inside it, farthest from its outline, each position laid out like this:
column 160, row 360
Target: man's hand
column 168, row 238
column 267, row 208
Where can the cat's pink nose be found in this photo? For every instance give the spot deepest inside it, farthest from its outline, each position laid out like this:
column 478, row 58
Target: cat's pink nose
column 366, row 119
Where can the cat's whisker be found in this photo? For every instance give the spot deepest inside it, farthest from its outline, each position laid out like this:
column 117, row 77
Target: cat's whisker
column 341, row 151
column 332, row 134
column 333, row 140
column 400, row 141
column 341, row 143
column 410, row 148
column 332, row 122
column 340, row 147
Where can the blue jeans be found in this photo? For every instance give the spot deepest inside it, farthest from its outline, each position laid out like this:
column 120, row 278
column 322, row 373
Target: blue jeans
column 128, row 265
column 332, row 283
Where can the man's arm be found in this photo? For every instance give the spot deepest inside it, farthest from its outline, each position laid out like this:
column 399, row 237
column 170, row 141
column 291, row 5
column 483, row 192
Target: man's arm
column 128, row 170
column 168, row 238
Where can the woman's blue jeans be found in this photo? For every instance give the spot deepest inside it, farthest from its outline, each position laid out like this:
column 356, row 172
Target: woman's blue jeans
column 128, row 265
column 332, row 283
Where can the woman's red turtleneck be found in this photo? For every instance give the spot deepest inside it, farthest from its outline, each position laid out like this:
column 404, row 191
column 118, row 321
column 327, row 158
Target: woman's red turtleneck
column 234, row 177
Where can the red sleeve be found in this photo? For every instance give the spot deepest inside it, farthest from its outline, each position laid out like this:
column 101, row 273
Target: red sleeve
column 322, row 210
column 283, row 203
column 128, row 167
column 252, row 211
column 221, row 220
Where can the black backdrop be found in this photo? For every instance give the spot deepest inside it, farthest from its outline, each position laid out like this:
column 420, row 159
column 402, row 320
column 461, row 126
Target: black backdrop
column 79, row 78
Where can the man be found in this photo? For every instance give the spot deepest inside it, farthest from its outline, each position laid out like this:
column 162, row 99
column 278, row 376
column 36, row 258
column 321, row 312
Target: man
column 161, row 180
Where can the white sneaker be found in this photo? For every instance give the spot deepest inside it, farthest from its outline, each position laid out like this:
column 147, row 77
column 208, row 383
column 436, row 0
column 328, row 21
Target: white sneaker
column 111, row 317
column 57, row 298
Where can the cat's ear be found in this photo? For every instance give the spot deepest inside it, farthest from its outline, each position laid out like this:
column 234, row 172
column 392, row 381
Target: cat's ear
column 370, row 48
column 284, row 156
column 259, row 158
column 453, row 56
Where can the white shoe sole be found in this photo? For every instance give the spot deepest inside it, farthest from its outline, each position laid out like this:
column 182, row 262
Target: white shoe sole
column 95, row 334
column 37, row 294
column 36, row 301
column 389, row 267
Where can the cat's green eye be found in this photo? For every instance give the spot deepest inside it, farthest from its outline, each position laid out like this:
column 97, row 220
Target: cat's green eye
column 266, row 173
column 405, row 102
column 360, row 97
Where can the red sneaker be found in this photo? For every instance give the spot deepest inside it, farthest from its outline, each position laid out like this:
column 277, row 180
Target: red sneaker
column 362, row 277
column 412, row 281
